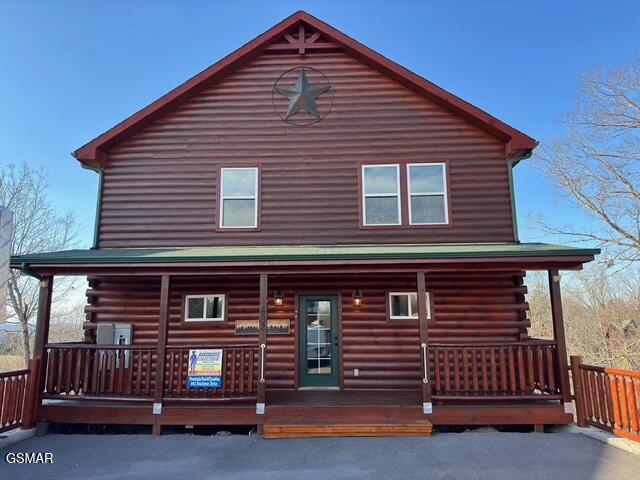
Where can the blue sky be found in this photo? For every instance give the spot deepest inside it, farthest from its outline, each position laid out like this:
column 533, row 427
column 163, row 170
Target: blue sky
column 71, row 70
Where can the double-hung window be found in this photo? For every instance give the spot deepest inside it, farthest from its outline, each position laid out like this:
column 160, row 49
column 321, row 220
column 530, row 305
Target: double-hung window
column 404, row 306
column 204, row 308
column 427, row 194
column 381, row 194
column 239, row 198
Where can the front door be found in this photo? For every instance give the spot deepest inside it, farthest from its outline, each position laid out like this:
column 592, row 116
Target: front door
column 319, row 347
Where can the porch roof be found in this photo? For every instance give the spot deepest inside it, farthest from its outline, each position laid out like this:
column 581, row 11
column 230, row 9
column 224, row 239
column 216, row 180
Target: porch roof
column 288, row 253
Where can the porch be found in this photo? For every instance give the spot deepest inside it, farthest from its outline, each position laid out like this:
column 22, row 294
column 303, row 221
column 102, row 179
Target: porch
column 471, row 364
column 515, row 383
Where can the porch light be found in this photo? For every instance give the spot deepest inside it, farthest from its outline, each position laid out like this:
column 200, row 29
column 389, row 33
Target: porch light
column 357, row 298
column 277, row 297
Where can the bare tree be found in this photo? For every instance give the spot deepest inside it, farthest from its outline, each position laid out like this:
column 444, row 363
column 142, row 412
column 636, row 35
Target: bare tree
column 37, row 227
column 596, row 165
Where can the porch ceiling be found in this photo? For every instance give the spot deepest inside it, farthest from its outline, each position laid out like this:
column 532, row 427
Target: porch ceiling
column 517, row 255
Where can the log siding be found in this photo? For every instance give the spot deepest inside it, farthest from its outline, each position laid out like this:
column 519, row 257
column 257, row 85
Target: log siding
column 467, row 307
column 160, row 185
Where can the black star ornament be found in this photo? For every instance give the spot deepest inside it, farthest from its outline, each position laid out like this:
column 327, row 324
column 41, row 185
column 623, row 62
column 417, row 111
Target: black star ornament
column 302, row 96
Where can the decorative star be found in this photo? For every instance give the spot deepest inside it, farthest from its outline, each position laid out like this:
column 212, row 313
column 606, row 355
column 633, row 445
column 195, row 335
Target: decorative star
column 302, row 96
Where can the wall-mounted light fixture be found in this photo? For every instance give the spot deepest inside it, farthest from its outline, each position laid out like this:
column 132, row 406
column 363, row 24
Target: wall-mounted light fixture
column 357, row 298
column 277, row 297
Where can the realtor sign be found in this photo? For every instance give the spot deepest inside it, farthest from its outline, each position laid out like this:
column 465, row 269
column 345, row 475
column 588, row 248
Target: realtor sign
column 5, row 253
column 205, row 368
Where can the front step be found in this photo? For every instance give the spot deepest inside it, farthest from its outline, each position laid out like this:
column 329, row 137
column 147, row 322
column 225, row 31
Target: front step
column 283, row 428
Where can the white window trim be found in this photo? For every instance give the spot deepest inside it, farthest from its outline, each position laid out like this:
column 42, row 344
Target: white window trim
column 379, row 195
column 410, row 194
column 239, row 197
column 409, row 317
column 204, row 310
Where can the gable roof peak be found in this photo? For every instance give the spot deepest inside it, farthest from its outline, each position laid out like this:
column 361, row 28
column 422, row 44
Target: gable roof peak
column 323, row 37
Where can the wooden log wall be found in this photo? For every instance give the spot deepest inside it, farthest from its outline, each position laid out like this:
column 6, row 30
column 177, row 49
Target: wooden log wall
column 469, row 307
column 160, row 186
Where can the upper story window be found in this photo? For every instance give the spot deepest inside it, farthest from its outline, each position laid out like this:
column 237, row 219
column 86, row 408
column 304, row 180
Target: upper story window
column 204, row 308
column 239, row 198
column 381, row 194
column 427, row 194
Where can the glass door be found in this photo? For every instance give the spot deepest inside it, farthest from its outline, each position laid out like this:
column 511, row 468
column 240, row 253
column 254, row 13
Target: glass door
column 319, row 347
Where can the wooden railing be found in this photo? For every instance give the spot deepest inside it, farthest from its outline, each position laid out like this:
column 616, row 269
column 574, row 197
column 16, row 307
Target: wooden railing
column 84, row 371
column 17, row 397
column 511, row 371
column 128, row 372
column 607, row 398
column 239, row 373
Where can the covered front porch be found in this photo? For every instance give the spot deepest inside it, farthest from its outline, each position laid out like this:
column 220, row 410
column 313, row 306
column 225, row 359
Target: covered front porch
column 416, row 373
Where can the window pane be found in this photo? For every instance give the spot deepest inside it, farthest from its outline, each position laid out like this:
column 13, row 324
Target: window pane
column 399, row 306
column 427, row 209
column 426, row 179
column 238, row 213
column 414, row 305
column 381, row 210
column 239, row 183
column 195, row 307
column 215, row 307
column 380, row 180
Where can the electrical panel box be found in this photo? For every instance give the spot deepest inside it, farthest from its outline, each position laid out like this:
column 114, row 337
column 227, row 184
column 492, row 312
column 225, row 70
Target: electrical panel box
column 105, row 334
column 114, row 334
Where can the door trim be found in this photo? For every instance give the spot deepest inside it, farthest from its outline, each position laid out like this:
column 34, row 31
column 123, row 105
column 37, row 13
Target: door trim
column 296, row 319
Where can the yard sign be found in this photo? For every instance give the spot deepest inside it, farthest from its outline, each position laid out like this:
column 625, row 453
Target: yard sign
column 6, row 218
column 205, row 369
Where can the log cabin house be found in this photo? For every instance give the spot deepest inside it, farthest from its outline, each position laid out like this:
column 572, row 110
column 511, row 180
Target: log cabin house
column 336, row 230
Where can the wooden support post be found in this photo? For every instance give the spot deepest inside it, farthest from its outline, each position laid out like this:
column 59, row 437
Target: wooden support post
column 262, row 343
column 160, row 353
column 42, row 332
column 32, row 395
column 578, row 392
column 44, row 315
column 427, row 406
column 558, row 335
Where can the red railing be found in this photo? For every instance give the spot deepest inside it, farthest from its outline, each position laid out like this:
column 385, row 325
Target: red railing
column 17, row 400
column 239, row 373
column 128, row 372
column 523, row 371
column 85, row 371
column 607, row 398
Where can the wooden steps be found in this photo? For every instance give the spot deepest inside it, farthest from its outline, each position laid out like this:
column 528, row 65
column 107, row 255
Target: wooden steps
column 297, row 428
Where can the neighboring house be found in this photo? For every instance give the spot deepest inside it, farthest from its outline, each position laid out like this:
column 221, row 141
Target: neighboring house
column 343, row 229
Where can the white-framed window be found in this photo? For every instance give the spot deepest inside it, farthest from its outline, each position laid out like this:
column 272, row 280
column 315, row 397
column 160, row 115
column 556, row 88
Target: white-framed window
column 381, row 195
column 204, row 308
column 239, row 197
column 404, row 306
column 427, row 194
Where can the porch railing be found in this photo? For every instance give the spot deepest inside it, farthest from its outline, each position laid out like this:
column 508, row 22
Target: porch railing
column 518, row 371
column 607, row 398
column 85, row 371
column 128, row 372
column 13, row 393
column 239, row 373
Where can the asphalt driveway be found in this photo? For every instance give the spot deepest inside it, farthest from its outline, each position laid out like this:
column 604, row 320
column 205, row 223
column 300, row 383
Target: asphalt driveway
column 458, row 456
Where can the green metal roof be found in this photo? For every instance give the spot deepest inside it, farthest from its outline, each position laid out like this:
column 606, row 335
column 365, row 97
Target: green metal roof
column 301, row 252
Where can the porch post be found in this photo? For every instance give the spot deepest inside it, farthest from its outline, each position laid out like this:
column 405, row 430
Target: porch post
column 558, row 336
column 44, row 315
column 262, row 342
column 43, row 319
column 160, row 353
column 427, row 406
